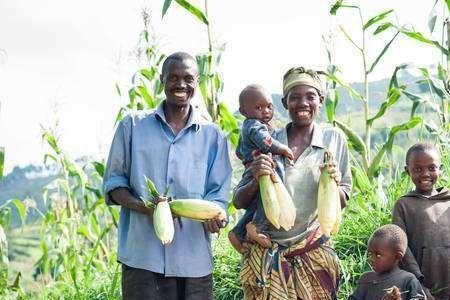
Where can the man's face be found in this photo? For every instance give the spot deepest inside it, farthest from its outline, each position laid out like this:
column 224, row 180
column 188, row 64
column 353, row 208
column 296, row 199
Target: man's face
column 382, row 257
column 424, row 169
column 302, row 102
column 180, row 81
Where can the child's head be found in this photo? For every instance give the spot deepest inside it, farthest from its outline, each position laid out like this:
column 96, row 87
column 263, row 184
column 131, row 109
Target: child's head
column 423, row 166
column 387, row 245
column 256, row 103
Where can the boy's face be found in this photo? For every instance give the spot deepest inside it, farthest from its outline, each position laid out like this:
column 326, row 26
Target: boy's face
column 424, row 169
column 259, row 106
column 382, row 257
column 180, row 81
column 302, row 102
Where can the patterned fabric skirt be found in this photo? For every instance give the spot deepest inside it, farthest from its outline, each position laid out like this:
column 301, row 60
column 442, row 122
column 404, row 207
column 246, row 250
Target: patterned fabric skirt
column 304, row 271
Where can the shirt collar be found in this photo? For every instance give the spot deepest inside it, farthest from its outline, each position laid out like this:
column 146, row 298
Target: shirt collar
column 317, row 136
column 193, row 119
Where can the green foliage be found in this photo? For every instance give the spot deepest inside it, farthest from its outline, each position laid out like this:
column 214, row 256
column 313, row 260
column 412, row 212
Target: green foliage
column 2, row 161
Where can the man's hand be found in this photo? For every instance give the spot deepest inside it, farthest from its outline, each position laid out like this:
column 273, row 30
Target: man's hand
column 213, row 225
column 333, row 171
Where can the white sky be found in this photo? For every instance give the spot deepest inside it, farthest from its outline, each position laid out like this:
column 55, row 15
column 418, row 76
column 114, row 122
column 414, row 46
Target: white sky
column 72, row 53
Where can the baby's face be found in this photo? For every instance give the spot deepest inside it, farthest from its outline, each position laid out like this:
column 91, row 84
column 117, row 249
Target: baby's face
column 382, row 257
column 259, row 106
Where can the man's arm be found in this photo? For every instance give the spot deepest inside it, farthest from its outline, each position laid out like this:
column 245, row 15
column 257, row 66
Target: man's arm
column 123, row 197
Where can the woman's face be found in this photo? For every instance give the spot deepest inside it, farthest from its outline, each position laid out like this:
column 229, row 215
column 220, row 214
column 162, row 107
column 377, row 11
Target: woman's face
column 302, row 102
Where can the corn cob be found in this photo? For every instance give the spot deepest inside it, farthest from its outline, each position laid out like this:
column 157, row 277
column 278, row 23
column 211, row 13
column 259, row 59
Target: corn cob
column 327, row 198
column 197, row 209
column 338, row 217
column 163, row 222
column 287, row 207
column 269, row 200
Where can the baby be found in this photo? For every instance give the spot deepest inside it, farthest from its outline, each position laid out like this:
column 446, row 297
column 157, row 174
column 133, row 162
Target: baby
column 387, row 281
column 256, row 106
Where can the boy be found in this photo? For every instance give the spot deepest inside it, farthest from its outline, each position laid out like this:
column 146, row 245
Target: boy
column 424, row 214
column 256, row 106
column 386, row 247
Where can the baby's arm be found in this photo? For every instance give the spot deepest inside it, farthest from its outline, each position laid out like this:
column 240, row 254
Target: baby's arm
column 259, row 135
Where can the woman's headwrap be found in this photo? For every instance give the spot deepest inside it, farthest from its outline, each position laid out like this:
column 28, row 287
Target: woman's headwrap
column 300, row 75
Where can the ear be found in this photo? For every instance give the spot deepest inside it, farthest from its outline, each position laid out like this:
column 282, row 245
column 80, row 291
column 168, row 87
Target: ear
column 321, row 97
column 284, row 101
column 406, row 170
column 242, row 111
column 399, row 254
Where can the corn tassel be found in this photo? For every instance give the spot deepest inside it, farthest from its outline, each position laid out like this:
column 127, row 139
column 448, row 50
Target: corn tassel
column 163, row 222
column 287, row 207
column 197, row 209
column 327, row 198
column 269, row 200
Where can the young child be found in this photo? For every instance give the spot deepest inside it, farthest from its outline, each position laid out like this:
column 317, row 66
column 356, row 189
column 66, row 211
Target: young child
column 387, row 281
column 256, row 106
column 424, row 214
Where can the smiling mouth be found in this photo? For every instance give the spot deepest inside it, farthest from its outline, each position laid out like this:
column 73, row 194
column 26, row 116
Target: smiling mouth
column 303, row 113
column 180, row 94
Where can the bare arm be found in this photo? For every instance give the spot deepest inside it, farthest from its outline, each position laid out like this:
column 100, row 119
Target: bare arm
column 123, row 197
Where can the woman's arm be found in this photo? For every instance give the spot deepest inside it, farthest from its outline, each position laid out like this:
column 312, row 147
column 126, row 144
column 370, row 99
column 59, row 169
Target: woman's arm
column 247, row 188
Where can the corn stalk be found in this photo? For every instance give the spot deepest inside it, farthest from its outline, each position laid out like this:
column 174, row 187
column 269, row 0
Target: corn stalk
column 370, row 161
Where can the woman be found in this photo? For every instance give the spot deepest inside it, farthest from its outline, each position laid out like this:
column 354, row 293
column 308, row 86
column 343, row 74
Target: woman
column 301, row 264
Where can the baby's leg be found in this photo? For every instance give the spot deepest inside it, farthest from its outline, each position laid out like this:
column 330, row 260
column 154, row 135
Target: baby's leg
column 259, row 238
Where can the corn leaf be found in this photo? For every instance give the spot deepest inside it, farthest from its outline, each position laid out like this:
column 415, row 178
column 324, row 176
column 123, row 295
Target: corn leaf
column 386, row 47
column 228, row 123
column 149, row 100
column 117, row 89
column 166, row 7
column 448, row 4
column 394, row 82
column 21, row 209
column 354, row 139
column 352, row 92
column 338, row 4
column 149, row 74
column 416, row 101
column 2, row 161
column 119, row 116
column 377, row 18
column 421, row 38
column 193, row 10
column 392, row 98
column 432, row 17
column 383, row 27
column 151, row 188
column 375, row 164
column 99, row 167
column 51, row 140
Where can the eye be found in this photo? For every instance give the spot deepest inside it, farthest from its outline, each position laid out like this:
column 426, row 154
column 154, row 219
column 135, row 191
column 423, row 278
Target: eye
column 433, row 168
column 189, row 79
column 172, row 78
column 417, row 170
column 259, row 107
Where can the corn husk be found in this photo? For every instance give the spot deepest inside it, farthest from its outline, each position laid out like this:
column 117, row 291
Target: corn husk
column 288, row 211
column 197, row 209
column 269, row 200
column 163, row 222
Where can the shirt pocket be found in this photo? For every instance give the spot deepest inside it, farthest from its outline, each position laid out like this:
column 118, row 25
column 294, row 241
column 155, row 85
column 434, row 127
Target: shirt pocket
column 196, row 181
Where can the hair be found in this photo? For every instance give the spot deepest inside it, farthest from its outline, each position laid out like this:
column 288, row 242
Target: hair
column 393, row 235
column 249, row 88
column 419, row 148
column 314, row 75
column 177, row 56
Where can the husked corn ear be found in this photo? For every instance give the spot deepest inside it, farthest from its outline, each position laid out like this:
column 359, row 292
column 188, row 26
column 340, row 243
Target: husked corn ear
column 197, row 209
column 163, row 222
column 327, row 198
column 269, row 200
column 287, row 207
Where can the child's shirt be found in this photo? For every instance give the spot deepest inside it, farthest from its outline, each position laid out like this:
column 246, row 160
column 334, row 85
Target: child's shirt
column 255, row 136
column 426, row 221
column 372, row 286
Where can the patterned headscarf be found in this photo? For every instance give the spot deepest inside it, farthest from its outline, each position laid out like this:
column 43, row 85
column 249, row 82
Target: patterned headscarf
column 300, row 75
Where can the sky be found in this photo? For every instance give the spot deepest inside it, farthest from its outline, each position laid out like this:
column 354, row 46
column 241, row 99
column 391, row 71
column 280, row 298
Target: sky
column 64, row 57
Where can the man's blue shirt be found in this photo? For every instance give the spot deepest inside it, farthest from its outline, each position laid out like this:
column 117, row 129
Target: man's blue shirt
column 193, row 164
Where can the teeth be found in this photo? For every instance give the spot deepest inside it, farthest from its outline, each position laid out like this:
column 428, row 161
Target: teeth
column 303, row 113
column 180, row 94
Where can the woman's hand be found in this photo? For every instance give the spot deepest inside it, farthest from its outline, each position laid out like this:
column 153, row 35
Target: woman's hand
column 263, row 165
column 334, row 171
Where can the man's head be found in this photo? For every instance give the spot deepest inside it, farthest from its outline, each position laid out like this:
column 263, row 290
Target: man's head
column 423, row 166
column 256, row 103
column 179, row 75
column 386, row 247
column 302, row 95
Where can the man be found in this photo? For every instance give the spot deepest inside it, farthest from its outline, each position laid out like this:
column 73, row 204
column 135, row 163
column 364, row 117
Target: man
column 189, row 158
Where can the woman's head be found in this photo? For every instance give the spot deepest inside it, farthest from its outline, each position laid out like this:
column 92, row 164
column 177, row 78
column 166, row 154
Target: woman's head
column 302, row 95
